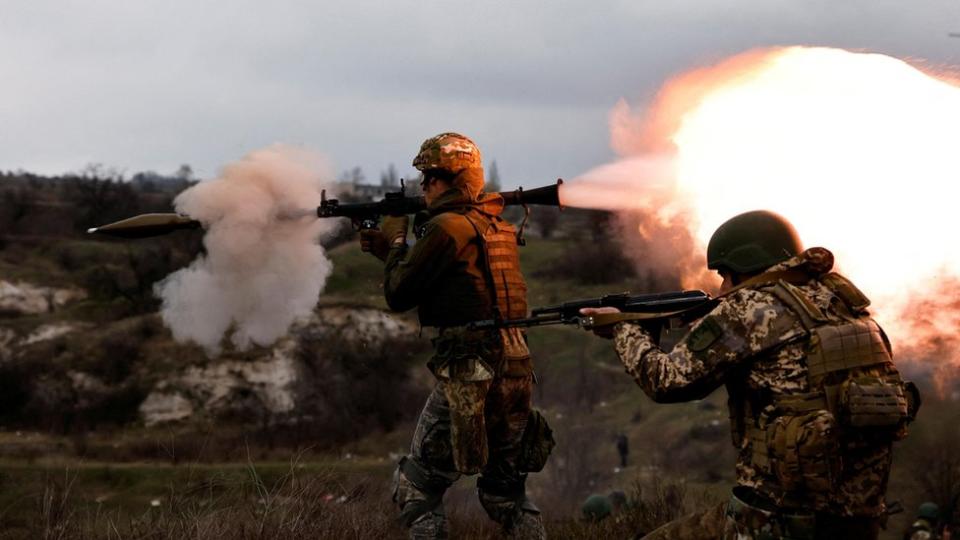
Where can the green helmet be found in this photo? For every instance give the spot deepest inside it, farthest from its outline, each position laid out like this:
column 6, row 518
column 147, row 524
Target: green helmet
column 596, row 507
column 929, row 510
column 752, row 241
column 449, row 152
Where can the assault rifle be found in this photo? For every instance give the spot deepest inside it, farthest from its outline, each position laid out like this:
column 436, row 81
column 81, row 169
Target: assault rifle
column 364, row 215
column 641, row 307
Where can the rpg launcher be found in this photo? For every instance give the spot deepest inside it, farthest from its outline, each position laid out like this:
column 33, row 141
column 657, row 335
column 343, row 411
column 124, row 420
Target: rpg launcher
column 643, row 307
column 363, row 215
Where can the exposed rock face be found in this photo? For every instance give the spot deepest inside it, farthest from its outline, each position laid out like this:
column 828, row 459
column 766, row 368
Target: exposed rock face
column 7, row 338
column 165, row 406
column 26, row 299
column 51, row 331
column 10, row 340
column 269, row 386
column 338, row 373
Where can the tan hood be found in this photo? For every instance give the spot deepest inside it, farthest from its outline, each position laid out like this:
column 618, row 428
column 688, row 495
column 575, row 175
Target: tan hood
column 468, row 191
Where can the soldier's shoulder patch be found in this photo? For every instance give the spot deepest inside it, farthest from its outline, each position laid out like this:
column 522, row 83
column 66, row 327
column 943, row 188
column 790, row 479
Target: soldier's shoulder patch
column 704, row 334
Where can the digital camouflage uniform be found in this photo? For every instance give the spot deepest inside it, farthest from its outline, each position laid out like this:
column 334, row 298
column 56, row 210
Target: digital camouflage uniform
column 921, row 529
column 756, row 343
column 464, row 268
column 925, row 526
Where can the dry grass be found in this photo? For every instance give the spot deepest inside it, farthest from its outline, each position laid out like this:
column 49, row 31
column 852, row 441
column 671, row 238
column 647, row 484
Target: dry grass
column 302, row 502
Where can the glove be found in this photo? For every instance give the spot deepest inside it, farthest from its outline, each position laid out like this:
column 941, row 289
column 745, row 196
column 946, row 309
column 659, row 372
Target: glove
column 395, row 229
column 374, row 241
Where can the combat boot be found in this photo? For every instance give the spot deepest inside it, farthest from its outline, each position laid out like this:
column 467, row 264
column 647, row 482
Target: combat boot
column 517, row 515
column 527, row 526
column 430, row 526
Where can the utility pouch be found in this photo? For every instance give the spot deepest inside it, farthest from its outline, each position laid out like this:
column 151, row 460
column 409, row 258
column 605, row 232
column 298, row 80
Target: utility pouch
column 872, row 402
column 804, row 451
column 466, row 377
column 516, row 355
column 461, row 354
column 536, row 444
column 468, row 429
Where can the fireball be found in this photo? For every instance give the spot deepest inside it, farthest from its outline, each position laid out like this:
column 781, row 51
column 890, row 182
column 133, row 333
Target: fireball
column 857, row 150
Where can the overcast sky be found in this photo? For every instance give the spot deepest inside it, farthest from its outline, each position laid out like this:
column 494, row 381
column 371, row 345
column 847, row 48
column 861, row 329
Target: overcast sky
column 148, row 85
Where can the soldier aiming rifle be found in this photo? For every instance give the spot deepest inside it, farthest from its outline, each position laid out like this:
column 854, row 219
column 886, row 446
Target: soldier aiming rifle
column 815, row 400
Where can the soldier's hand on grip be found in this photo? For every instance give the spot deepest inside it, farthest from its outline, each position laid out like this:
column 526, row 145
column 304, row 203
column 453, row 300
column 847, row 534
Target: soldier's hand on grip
column 395, row 229
column 375, row 242
column 605, row 332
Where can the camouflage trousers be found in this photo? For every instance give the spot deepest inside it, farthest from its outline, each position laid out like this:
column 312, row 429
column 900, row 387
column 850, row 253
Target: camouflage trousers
column 735, row 520
column 425, row 474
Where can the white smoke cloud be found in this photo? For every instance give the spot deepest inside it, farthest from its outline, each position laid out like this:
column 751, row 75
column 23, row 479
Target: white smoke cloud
column 264, row 267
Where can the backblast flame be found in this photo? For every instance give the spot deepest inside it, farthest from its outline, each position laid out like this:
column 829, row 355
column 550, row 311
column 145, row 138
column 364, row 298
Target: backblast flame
column 857, row 150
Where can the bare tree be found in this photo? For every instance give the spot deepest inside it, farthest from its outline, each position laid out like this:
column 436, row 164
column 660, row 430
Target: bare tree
column 389, row 178
column 937, row 468
column 493, row 178
column 100, row 194
column 17, row 204
column 546, row 220
column 184, row 172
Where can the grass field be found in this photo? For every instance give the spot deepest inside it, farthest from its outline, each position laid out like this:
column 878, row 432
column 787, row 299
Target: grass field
column 177, row 482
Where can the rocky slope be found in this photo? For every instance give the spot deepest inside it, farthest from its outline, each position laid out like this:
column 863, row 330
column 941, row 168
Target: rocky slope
column 65, row 374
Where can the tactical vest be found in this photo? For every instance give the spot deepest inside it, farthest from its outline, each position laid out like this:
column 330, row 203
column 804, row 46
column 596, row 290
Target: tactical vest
column 498, row 244
column 468, row 360
column 856, row 395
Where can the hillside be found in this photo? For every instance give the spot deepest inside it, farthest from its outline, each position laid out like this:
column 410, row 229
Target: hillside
column 101, row 408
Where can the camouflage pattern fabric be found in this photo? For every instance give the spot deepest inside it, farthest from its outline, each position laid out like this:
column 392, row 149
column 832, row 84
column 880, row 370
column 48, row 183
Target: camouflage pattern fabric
column 476, row 416
column 727, row 521
column 921, row 529
column 449, row 152
column 501, row 482
column 757, row 346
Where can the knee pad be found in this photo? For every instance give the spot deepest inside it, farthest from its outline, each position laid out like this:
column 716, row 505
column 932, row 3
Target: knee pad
column 527, row 526
column 418, row 493
column 509, row 506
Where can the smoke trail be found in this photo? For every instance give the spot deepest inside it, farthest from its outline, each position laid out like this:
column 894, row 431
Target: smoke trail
column 655, row 221
column 263, row 266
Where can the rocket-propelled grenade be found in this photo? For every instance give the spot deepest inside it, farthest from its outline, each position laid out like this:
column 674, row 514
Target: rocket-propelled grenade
column 363, row 215
column 146, row 225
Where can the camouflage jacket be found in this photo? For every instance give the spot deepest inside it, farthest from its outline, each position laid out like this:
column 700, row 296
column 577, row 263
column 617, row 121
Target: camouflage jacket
column 760, row 355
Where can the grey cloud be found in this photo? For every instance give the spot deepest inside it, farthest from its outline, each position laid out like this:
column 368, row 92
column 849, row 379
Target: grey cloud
column 153, row 84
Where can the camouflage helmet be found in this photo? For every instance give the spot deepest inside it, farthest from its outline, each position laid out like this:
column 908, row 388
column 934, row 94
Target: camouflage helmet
column 596, row 507
column 449, row 152
column 929, row 510
column 752, row 241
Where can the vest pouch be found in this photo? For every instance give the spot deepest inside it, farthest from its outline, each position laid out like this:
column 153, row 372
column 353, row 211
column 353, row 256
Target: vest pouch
column 873, row 403
column 804, row 451
column 460, row 366
column 516, row 355
column 537, row 443
column 466, row 382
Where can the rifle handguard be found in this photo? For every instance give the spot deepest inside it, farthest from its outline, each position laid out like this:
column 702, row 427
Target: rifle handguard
column 607, row 319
